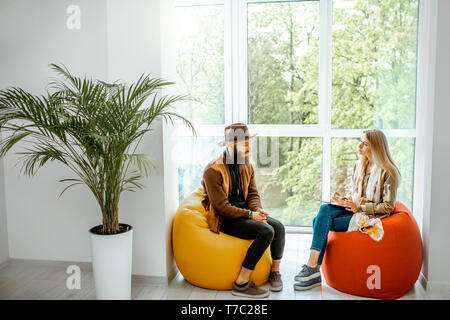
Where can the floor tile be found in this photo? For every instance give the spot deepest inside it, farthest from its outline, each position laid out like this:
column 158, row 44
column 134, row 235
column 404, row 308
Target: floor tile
column 27, row 280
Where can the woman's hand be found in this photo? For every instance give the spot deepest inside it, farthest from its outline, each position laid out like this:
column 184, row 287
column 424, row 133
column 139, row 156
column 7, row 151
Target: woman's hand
column 337, row 198
column 259, row 216
column 353, row 207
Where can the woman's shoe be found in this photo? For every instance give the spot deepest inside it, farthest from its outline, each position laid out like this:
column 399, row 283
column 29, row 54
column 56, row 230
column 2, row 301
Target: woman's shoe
column 306, row 285
column 307, row 273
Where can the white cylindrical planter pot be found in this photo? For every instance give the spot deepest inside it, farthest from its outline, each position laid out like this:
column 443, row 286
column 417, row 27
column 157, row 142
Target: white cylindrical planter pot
column 111, row 263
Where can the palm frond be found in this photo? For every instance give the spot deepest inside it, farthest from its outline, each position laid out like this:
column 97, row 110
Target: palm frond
column 91, row 126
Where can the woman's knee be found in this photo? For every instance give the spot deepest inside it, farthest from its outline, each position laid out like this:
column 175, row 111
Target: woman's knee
column 324, row 211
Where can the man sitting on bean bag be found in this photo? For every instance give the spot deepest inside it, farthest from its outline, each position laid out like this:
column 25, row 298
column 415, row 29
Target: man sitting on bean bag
column 233, row 206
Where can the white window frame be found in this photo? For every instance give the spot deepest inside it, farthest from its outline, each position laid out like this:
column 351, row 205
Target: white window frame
column 236, row 109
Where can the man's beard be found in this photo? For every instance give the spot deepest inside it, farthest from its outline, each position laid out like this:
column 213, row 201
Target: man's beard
column 237, row 158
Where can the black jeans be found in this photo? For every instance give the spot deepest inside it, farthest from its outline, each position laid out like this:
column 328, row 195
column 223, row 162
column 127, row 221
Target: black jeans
column 264, row 235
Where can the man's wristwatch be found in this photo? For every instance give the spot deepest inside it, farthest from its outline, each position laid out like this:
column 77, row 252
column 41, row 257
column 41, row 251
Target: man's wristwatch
column 250, row 216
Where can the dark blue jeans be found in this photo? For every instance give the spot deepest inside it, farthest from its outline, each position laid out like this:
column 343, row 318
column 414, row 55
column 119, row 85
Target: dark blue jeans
column 272, row 234
column 329, row 218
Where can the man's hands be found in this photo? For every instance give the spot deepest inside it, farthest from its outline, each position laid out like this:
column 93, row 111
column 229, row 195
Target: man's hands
column 260, row 215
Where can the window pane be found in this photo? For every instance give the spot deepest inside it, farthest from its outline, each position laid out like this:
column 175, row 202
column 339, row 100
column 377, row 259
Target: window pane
column 288, row 190
column 374, row 63
column 345, row 154
column 283, row 62
column 200, row 62
column 288, row 173
column 193, row 156
column 403, row 150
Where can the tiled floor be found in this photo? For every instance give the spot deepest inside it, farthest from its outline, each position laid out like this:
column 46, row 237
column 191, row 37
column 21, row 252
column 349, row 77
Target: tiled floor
column 33, row 281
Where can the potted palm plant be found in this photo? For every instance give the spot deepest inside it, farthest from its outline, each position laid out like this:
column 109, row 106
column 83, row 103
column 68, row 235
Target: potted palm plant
column 94, row 128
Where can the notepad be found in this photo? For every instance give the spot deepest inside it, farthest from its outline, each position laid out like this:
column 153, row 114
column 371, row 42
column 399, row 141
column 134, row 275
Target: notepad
column 333, row 204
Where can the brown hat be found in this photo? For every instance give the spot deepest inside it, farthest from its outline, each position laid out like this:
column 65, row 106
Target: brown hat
column 236, row 132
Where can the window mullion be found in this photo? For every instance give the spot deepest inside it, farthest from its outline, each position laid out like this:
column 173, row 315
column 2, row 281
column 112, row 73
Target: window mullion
column 325, row 53
column 241, row 61
column 228, row 63
column 424, row 111
column 390, row 133
column 235, row 60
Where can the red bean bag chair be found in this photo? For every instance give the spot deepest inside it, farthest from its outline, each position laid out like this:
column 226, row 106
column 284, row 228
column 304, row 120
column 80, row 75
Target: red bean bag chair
column 354, row 263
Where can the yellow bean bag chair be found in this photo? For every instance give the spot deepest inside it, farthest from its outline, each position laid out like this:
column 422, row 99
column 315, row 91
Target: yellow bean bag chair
column 206, row 259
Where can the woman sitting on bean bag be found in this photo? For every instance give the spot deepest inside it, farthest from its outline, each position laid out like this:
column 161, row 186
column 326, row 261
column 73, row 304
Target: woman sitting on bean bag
column 374, row 185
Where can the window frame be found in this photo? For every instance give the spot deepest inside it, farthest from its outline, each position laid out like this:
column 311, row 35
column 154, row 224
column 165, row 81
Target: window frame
column 236, row 90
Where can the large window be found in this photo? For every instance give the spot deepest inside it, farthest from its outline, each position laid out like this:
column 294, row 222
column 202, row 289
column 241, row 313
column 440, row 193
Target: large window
column 374, row 64
column 200, row 62
column 283, row 62
column 308, row 77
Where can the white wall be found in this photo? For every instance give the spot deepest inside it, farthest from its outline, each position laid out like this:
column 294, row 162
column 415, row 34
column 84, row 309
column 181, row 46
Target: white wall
column 168, row 71
column 117, row 40
column 4, row 248
column 34, row 34
column 134, row 48
column 437, row 224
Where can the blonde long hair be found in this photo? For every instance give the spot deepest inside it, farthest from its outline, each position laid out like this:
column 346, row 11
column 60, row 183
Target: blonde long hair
column 380, row 153
column 381, row 159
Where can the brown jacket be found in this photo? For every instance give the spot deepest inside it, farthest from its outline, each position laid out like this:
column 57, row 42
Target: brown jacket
column 385, row 206
column 216, row 186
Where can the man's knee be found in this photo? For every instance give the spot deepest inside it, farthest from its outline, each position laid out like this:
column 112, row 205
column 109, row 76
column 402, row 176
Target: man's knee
column 276, row 224
column 278, row 227
column 266, row 232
